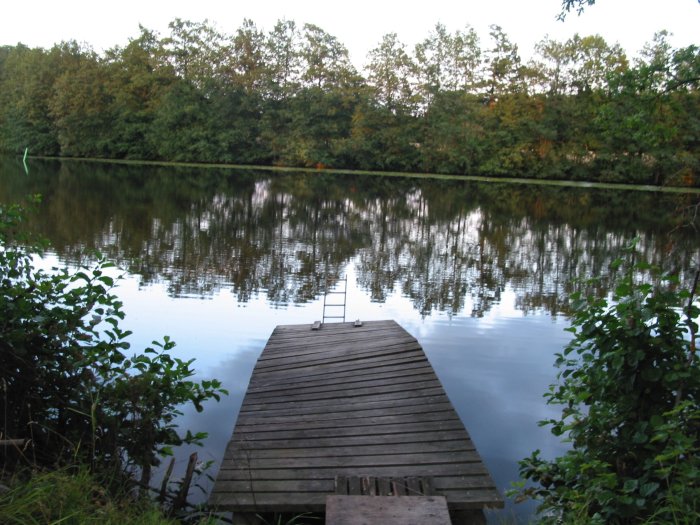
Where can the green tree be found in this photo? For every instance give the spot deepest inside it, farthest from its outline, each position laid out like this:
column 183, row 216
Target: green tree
column 581, row 64
column 390, row 72
column 182, row 126
column 552, row 67
column 593, row 62
column 27, row 78
column 138, row 80
column 448, row 62
column 195, row 50
column 453, row 134
column 629, row 385
column 502, row 64
column 69, row 386
column 317, row 127
column 249, row 65
column 283, row 58
column 382, row 139
column 81, row 105
column 467, row 61
column 325, row 59
column 647, row 123
column 432, row 61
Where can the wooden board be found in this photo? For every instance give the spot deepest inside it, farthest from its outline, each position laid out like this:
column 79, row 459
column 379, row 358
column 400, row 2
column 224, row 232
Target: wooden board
column 400, row 510
column 349, row 402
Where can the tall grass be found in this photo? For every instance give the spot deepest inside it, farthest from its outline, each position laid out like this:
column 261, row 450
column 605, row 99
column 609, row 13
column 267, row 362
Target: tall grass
column 73, row 498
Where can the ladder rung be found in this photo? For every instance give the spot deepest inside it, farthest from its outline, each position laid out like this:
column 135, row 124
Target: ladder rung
column 328, row 292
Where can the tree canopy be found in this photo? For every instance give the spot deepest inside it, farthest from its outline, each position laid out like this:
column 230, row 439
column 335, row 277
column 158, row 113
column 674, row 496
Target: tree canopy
column 454, row 103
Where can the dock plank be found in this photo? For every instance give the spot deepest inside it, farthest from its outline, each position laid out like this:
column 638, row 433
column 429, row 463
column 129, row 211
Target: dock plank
column 356, row 510
column 351, row 402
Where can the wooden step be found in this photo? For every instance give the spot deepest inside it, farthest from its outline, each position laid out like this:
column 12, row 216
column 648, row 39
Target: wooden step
column 400, row 510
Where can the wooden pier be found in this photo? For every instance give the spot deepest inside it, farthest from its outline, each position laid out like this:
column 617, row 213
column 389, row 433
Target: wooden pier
column 350, row 411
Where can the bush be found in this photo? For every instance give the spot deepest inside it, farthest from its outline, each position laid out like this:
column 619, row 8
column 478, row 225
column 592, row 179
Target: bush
column 67, row 384
column 629, row 385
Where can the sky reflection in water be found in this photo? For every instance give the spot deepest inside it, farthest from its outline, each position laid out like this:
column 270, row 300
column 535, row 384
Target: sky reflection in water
column 478, row 273
column 494, row 368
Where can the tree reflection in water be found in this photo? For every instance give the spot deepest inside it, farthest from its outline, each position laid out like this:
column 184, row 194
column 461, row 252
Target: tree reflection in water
column 459, row 252
column 447, row 245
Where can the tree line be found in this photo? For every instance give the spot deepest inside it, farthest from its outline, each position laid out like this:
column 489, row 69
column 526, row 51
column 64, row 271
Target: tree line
column 579, row 109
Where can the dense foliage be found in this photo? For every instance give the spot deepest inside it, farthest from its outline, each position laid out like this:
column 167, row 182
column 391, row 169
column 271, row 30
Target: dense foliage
column 291, row 96
column 629, row 385
column 68, row 386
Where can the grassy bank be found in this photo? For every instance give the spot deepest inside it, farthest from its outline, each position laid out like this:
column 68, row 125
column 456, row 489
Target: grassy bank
column 74, row 496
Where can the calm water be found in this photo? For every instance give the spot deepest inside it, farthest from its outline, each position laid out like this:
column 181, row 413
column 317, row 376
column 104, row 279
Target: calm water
column 478, row 273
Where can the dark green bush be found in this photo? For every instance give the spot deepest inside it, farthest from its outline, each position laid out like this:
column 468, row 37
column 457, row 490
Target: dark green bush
column 68, row 385
column 629, row 385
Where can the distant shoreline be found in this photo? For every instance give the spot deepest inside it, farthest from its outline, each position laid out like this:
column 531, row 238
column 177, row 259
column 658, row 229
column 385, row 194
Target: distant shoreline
column 436, row 176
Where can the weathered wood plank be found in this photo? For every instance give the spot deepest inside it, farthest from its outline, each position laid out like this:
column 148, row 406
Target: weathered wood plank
column 288, row 364
column 342, row 392
column 472, row 473
column 358, row 510
column 234, row 472
column 433, row 458
column 338, row 362
column 335, row 383
column 376, row 403
column 384, row 370
column 425, row 426
column 292, row 345
column 359, row 399
column 345, row 386
column 244, row 425
column 304, row 415
column 347, row 349
column 328, row 484
column 315, row 501
column 355, row 403
column 282, row 332
column 444, row 484
column 307, row 370
column 310, row 452
column 362, row 440
column 240, row 456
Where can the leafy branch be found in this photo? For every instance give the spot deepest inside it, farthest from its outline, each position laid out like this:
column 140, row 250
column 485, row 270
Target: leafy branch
column 629, row 388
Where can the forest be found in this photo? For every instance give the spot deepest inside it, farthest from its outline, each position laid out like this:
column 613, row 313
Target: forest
column 456, row 103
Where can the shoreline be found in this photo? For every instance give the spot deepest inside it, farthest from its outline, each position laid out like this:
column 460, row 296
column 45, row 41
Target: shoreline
column 435, row 176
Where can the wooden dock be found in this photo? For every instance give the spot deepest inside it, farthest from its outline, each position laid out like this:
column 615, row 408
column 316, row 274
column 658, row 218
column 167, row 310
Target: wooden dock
column 347, row 410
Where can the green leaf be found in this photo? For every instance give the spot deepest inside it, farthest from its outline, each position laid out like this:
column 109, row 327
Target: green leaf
column 647, row 489
column 107, row 280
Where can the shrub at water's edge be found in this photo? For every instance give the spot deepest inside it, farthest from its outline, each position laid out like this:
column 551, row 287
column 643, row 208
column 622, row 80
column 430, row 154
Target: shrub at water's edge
column 69, row 389
column 629, row 385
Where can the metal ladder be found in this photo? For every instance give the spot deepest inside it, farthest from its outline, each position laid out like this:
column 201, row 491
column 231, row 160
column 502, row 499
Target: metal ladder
column 335, row 304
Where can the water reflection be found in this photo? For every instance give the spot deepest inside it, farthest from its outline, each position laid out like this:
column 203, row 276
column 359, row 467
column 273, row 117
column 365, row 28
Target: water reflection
column 479, row 274
column 442, row 244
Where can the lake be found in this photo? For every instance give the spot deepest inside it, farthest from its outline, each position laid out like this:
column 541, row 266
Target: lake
column 479, row 273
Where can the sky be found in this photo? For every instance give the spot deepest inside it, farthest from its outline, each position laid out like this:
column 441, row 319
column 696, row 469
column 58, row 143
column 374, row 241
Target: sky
column 359, row 24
